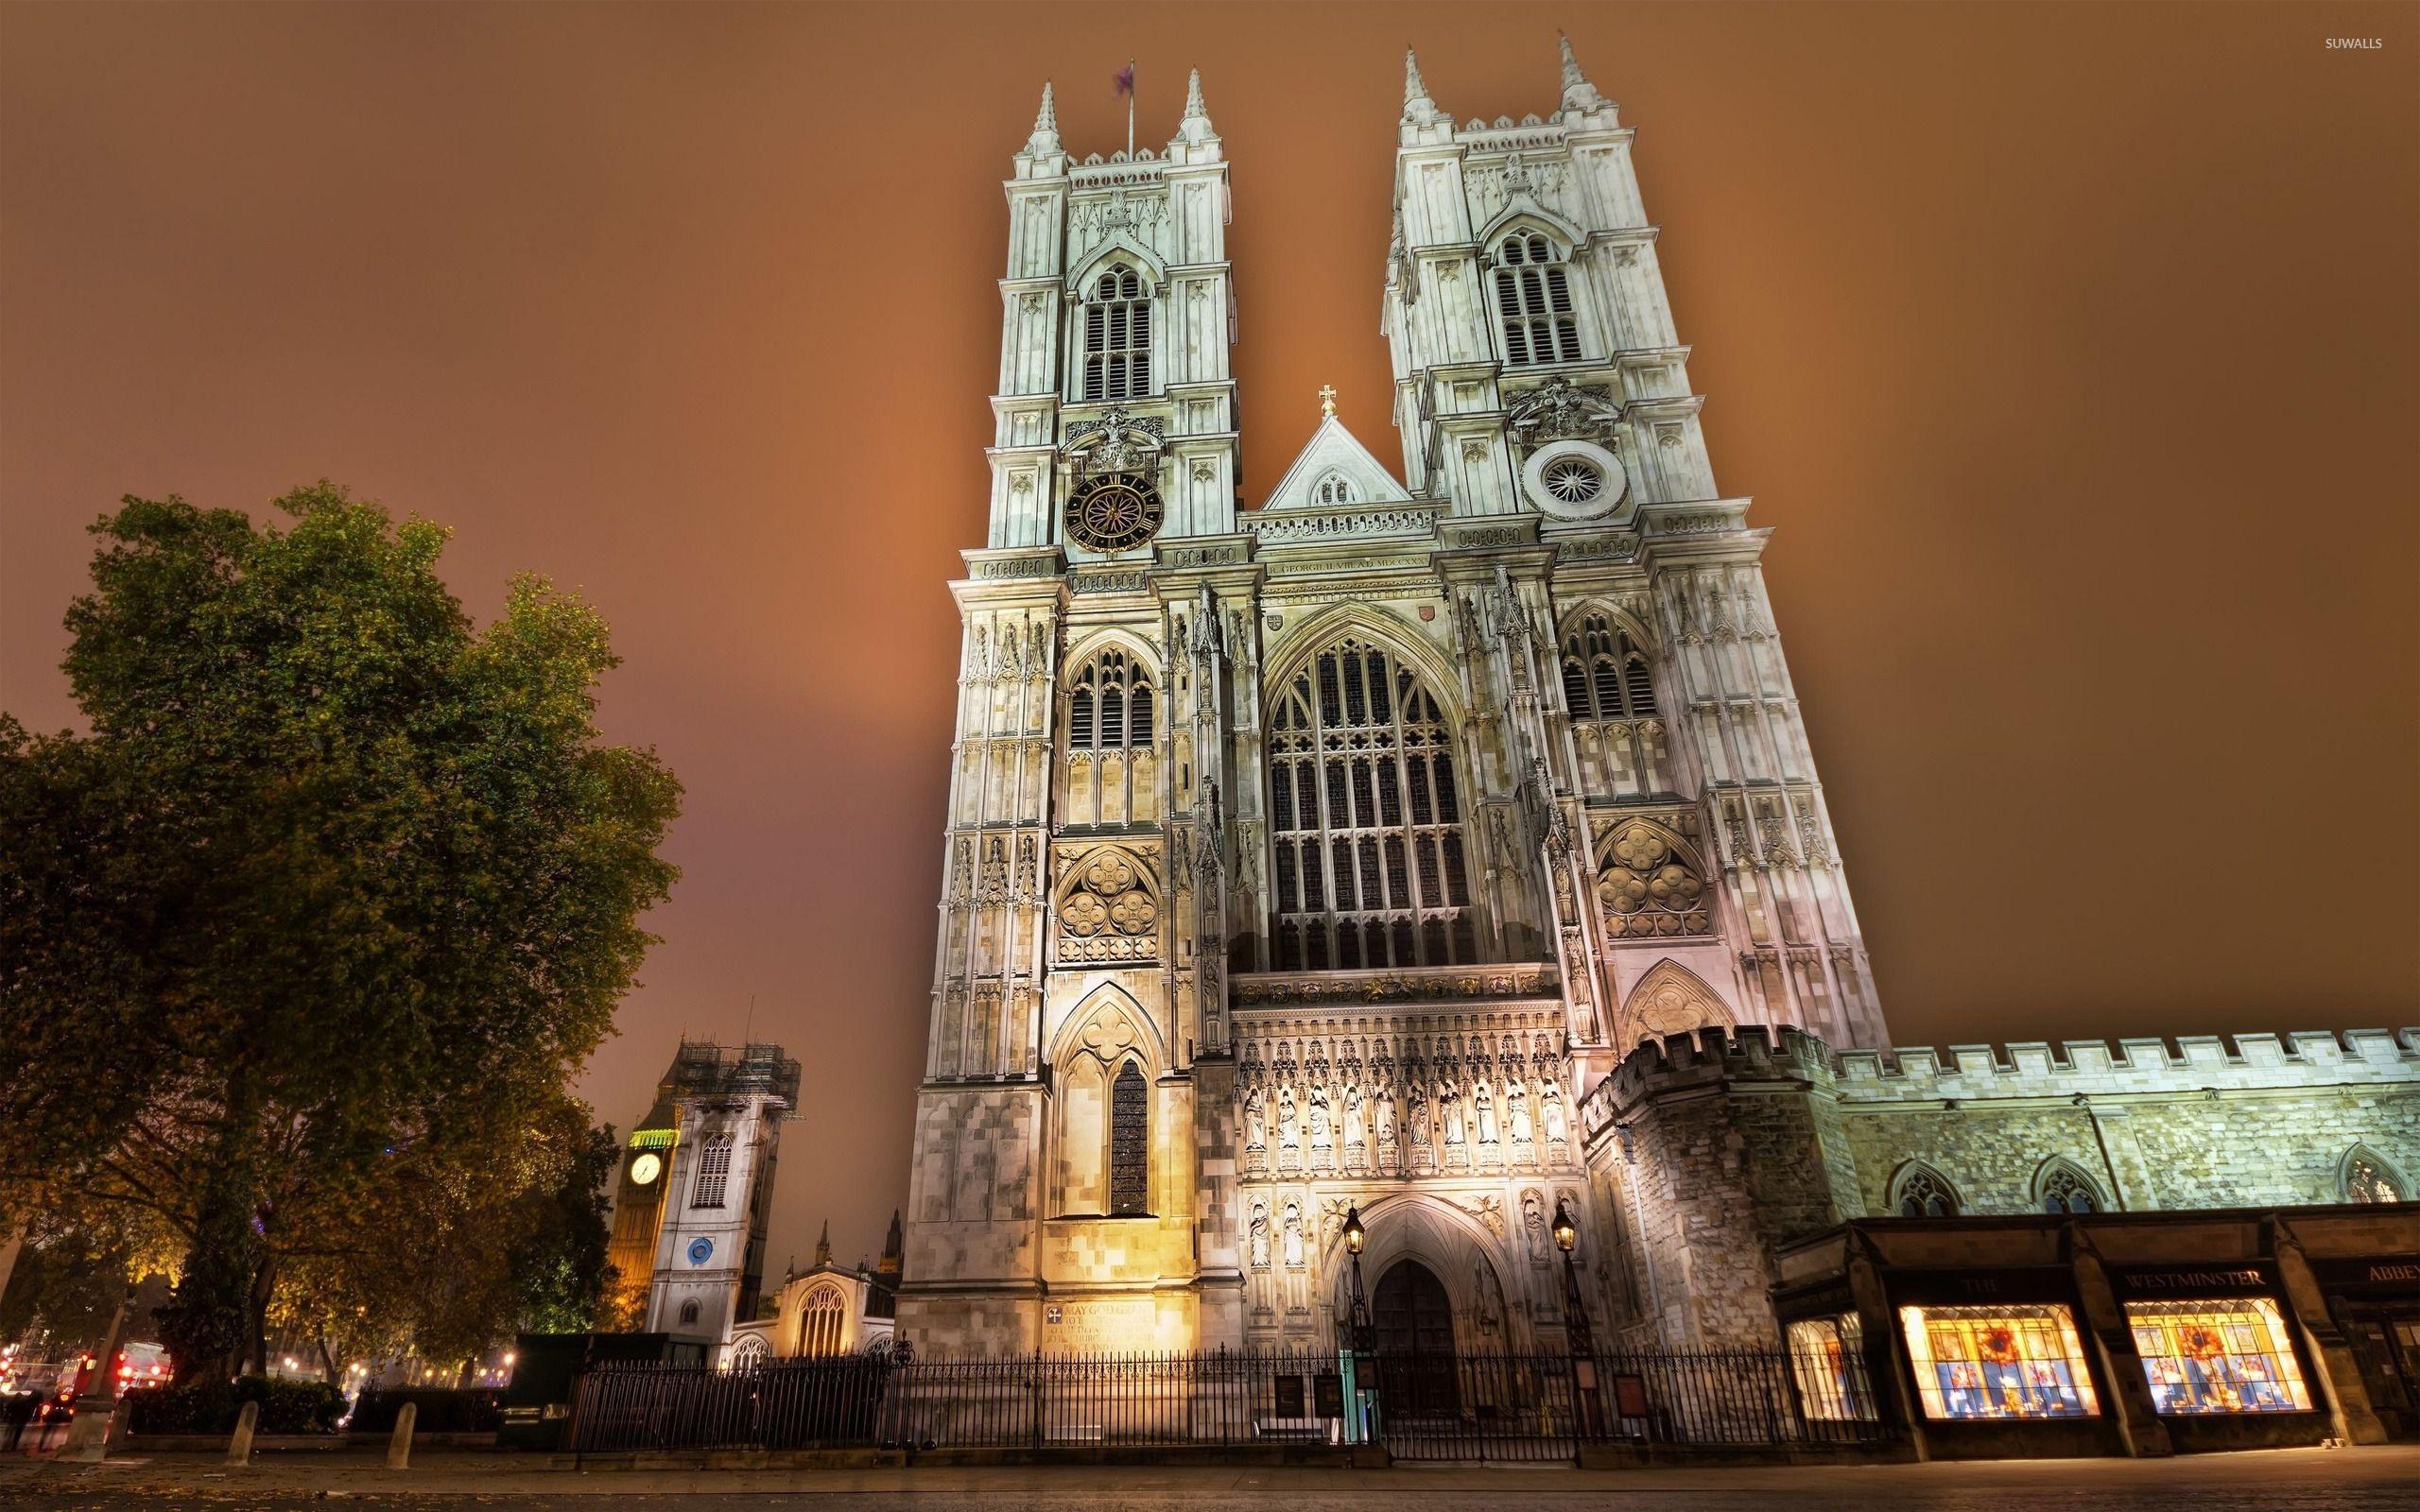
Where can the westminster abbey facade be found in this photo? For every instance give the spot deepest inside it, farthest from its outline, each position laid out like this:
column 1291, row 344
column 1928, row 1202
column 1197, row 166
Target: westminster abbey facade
column 1325, row 853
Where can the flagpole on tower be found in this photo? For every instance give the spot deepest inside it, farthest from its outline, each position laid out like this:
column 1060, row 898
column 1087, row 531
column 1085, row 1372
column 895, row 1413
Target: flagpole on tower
column 1130, row 109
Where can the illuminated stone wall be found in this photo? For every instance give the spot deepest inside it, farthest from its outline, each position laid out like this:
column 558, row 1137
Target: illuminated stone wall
column 1714, row 1149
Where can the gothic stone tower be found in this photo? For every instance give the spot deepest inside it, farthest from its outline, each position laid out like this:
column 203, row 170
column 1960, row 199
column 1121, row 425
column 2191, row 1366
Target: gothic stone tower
column 1319, row 855
column 728, row 1107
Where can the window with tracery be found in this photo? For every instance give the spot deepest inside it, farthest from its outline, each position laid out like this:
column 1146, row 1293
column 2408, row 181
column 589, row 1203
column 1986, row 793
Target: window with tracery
column 1129, row 1144
column 1109, row 707
column 714, row 1172
column 1365, row 819
column 1333, row 488
column 2064, row 1189
column 1649, row 887
column 1922, row 1194
column 1604, row 675
column 1533, row 299
column 821, row 1322
column 1117, row 338
column 2367, row 1178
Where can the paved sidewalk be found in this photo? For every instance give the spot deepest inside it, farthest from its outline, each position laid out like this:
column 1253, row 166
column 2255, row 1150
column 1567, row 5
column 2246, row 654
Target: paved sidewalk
column 2293, row 1479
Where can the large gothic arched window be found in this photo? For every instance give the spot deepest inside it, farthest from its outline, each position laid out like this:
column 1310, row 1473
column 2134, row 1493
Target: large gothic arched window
column 1118, row 338
column 1533, row 299
column 821, row 1321
column 1365, row 820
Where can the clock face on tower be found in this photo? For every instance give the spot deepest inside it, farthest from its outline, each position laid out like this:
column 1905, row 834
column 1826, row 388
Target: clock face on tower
column 646, row 1169
column 1113, row 512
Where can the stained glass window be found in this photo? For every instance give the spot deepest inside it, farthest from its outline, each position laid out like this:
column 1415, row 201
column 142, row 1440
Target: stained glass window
column 2366, row 1181
column 2230, row 1356
column 1826, row 1357
column 1129, row 1144
column 2020, row 1360
column 2066, row 1190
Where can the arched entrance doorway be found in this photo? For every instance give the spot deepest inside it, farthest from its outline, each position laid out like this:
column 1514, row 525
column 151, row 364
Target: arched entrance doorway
column 1415, row 1322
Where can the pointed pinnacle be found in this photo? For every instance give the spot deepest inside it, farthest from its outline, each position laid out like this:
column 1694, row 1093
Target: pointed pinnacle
column 1578, row 94
column 1193, row 107
column 1415, row 89
column 1047, row 120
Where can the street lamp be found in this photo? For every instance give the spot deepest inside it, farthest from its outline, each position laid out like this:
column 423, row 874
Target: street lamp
column 1576, row 1333
column 1364, row 1334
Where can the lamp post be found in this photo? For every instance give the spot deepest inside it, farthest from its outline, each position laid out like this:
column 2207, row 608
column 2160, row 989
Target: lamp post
column 1577, row 1334
column 1362, row 1335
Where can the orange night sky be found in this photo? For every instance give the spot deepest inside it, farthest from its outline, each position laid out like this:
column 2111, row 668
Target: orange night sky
column 2070, row 349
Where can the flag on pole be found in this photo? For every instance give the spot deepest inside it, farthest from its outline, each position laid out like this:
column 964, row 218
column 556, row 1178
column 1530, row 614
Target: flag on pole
column 1125, row 82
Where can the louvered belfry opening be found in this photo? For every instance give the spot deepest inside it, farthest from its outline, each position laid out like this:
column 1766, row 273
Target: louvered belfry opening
column 1118, row 338
column 1365, row 819
column 1605, row 674
column 1109, row 705
column 1129, row 1144
column 1534, row 299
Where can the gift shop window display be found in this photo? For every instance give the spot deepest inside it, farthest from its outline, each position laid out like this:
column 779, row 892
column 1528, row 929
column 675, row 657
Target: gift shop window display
column 2012, row 1361
column 1822, row 1355
column 2220, row 1356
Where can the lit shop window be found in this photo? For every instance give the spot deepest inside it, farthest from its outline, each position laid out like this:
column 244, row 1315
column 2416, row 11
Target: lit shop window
column 1826, row 1355
column 2020, row 1361
column 2218, row 1356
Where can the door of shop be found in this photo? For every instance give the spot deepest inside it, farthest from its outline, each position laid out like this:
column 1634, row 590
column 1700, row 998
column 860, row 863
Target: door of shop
column 2386, row 1344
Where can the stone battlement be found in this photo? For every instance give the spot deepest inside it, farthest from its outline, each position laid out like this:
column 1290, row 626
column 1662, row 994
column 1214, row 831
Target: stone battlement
column 2024, row 1069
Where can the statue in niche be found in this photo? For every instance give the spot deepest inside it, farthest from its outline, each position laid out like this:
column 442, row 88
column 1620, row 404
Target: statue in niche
column 1352, row 1121
column 1293, row 1234
column 1418, row 1094
column 1490, row 1302
column 1449, row 1110
column 1550, row 1112
column 1516, row 1110
column 1533, row 1222
column 1256, row 1120
column 1483, row 1110
column 1383, row 1113
column 1321, row 1138
column 1259, row 1235
column 1286, row 1136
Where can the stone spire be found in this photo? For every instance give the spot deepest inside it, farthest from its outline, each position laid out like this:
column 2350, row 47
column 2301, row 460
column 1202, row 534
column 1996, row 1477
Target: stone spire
column 824, row 1240
column 1418, row 109
column 1578, row 94
column 894, row 1250
column 1195, row 129
column 1046, row 127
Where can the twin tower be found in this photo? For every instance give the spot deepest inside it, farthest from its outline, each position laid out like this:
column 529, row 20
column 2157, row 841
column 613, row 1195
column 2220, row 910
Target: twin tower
column 1323, row 854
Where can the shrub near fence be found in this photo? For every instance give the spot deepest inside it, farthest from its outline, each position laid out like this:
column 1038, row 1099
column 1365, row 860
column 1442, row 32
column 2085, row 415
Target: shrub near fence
column 212, row 1406
column 1460, row 1407
column 443, row 1410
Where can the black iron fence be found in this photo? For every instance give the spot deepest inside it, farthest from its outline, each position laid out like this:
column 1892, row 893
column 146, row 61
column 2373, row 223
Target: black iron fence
column 1463, row 1407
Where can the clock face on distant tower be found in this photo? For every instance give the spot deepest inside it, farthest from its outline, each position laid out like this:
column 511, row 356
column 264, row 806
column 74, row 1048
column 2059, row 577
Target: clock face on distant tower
column 646, row 1169
column 1113, row 512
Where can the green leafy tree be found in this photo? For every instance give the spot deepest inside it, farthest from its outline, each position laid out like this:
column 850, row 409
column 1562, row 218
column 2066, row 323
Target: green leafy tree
column 319, row 918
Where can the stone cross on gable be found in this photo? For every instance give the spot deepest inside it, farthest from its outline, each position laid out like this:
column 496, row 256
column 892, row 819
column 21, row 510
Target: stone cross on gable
column 1327, row 400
